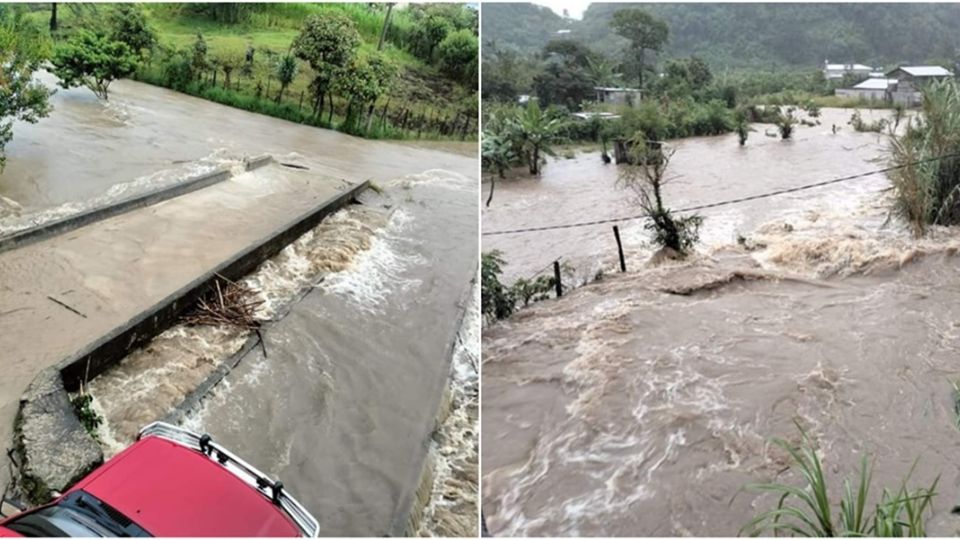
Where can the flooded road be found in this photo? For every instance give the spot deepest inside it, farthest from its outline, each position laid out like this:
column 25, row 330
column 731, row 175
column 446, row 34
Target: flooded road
column 641, row 404
column 341, row 401
column 363, row 311
column 88, row 152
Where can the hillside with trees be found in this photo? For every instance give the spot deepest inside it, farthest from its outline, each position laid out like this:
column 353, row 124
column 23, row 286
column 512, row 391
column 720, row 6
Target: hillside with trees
column 750, row 36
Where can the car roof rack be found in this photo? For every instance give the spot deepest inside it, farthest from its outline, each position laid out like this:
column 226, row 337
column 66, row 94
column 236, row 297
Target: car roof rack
column 308, row 525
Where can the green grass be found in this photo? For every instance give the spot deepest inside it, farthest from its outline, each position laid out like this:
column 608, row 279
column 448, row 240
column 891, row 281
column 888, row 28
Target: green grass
column 807, row 510
column 419, row 87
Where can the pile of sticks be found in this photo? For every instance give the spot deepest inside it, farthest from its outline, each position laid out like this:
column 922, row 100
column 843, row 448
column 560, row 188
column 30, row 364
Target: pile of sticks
column 228, row 304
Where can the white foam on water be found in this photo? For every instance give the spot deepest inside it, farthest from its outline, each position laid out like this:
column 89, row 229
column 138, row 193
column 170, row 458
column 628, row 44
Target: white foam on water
column 377, row 273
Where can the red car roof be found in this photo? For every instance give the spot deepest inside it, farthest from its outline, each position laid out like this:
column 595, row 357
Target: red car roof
column 171, row 490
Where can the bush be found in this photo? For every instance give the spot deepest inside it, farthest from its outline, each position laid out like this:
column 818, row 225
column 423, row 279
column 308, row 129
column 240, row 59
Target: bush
column 927, row 184
column 457, row 56
column 496, row 300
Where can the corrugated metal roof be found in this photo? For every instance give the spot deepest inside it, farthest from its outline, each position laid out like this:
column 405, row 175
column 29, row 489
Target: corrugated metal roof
column 925, row 71
column 875, row 84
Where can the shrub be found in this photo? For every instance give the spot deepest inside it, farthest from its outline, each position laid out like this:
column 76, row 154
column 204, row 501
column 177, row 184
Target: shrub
column 645, row 176
column 808, row 511
column 927, row 180
column 496, row 300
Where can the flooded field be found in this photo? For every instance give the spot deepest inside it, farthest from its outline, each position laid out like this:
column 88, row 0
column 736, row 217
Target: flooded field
column 703, row 170
column 643, row 403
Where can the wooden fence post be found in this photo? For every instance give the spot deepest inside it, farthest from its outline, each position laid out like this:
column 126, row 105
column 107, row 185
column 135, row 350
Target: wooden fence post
column 556, row 277
column 623, row 263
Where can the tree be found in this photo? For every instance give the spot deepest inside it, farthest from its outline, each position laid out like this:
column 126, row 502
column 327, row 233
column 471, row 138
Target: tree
column 93, row 60
column 565, row 78
column 428, row 33
column 362, row 83
column 533, row 131
column 286, row 71
column 328, row 44
column 644, row 31
column 129, row 25
column 457, row 55
column 198, row 60
column 645, row 176
column 496, row 154
column 22, row 50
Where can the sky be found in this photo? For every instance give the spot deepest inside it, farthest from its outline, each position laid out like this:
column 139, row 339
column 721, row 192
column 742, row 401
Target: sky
column 575, row 7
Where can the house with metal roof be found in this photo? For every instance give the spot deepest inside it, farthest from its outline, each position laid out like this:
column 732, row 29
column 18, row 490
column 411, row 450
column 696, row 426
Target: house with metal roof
column 837, row 71
column 873, row 89
column 910, row 82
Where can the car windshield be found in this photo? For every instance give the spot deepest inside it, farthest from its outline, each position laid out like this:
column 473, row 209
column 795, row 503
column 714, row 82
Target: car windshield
column 58, row 521
column 79, row 514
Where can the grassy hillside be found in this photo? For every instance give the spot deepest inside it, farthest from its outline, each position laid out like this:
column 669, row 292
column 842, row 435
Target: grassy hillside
column 754, row 36
column 418, row 91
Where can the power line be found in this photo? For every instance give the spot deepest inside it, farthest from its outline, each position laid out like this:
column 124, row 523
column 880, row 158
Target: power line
column 725, row 202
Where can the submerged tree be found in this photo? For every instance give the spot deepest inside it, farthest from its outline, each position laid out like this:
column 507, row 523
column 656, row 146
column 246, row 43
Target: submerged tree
column 496, row 154
column 93, row 60
column 534, row 130
column 645, row 33
column 22, row 50
column 645, row 176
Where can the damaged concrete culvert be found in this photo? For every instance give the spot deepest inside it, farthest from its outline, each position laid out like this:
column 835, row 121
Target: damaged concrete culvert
column 53, row 449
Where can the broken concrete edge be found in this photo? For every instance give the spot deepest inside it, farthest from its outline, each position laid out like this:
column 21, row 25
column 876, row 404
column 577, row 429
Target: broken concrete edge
column 410, row 507
column 54, row 449
column 70, row 223
column 112, row 347
column 257, row 162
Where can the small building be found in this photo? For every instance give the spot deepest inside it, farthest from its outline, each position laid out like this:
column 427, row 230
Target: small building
column 910, row 81
column 837, row 71
column 617, row 96
column 873, row 89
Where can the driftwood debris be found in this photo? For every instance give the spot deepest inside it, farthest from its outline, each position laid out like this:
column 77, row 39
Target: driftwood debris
column 228, row 304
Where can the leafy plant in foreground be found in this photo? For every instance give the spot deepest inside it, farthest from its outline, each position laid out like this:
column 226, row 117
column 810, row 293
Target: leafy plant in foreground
column 808, row 510
column 89, row 418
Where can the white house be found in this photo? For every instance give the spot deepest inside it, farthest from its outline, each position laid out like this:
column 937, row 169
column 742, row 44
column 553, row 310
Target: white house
column 837, row 71
column 873, row 89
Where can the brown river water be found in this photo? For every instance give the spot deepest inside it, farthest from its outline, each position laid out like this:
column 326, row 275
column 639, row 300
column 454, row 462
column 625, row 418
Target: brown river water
column 642, row 404
column 368, row 367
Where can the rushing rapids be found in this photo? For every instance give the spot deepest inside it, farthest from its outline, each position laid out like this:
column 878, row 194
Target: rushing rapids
column 643, row 403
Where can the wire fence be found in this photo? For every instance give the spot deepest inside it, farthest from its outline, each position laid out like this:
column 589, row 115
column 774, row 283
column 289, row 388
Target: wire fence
column 555, row 262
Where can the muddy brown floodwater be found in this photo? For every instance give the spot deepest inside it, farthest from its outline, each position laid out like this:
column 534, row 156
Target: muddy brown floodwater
column 643, row 403
column 364, row 310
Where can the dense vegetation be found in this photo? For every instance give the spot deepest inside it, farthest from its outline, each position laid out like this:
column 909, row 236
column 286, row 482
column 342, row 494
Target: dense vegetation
column 22, row 49
column 376, row 70
column 751, row 36
column 927, row 184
